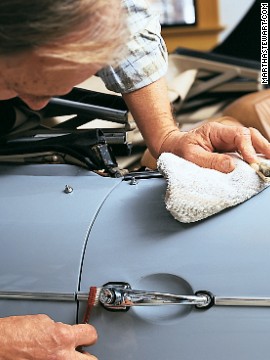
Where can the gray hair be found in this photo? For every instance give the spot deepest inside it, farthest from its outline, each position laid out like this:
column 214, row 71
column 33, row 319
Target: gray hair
column 95, row 29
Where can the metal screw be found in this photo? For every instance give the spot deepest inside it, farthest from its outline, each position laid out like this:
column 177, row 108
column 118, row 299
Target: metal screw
column 133, row 181
column 68, row 189
column 107, row 296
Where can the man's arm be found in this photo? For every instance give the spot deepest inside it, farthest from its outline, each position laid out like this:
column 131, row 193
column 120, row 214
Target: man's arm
column 37, row 337
column 151, row 110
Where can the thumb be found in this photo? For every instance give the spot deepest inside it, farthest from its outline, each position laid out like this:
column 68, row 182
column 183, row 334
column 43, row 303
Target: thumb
column 84, row 334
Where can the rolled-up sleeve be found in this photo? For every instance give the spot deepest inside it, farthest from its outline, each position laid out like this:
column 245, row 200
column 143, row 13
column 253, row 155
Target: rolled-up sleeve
column 146, row 58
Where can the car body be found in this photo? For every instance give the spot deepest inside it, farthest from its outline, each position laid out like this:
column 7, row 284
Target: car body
column 65, row 229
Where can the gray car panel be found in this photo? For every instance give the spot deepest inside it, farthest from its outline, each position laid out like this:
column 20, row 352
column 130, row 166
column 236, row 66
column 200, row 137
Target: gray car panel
column 227, row 254
column 44, row 231
column 115, row 231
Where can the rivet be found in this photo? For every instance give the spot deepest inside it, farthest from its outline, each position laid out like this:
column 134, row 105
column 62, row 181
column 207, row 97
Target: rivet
column 68, row 189
column 133, row 181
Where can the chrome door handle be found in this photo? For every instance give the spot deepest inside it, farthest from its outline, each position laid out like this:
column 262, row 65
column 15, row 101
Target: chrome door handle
column 116, row 296
column 120, row 296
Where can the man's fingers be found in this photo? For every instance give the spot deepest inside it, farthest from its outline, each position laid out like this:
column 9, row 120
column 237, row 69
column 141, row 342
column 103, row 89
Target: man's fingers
column 260, row 143
column 201, row 146
column 243, row 143
column 252, row 142
column 84, row 334
column 206, row 159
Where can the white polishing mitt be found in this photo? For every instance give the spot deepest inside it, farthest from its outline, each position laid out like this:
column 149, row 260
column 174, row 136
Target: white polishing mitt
column 195, row 193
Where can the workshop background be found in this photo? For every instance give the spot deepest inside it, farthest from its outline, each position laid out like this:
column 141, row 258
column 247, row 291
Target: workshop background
column 229, row 18
column 214, row 20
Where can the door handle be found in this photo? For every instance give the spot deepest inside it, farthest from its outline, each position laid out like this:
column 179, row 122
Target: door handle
column 120, row 296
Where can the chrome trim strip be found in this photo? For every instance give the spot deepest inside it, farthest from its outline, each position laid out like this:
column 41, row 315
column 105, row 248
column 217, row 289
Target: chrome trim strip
column 82, row 296
column 118, row 297
column 48, row 296
column 241, row 301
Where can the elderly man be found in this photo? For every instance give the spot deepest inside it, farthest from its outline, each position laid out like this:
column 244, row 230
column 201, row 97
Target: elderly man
column 47, row 47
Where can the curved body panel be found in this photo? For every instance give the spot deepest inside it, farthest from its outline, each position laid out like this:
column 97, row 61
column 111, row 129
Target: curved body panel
column 107, row 230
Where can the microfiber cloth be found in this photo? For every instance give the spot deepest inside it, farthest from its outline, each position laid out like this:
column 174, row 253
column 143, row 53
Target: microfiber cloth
column 195, row 193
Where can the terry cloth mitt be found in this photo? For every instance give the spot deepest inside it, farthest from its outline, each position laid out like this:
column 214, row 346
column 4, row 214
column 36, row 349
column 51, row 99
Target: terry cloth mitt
column 195, row 193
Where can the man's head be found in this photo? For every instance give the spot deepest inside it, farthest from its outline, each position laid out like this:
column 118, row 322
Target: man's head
column 93, row 28
column 48, row 46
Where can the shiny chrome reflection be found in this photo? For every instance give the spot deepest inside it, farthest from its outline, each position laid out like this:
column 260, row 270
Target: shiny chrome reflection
column 110, row 297
column 241, row 301
column 120, row 296
column 44, row 296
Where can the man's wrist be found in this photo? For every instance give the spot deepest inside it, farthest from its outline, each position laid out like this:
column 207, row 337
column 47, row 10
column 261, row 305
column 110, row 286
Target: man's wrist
column 169, row 143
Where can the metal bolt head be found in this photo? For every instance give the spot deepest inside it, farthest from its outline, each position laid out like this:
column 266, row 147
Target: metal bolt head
column 68, row 189
column 133, row 181
column 107, row 296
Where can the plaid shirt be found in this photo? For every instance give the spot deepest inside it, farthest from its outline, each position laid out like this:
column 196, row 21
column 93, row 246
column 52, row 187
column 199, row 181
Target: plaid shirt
column 146, row 61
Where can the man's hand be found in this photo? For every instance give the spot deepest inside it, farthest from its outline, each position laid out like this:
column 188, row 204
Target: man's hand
column 37, row 337
column 151, row 110
column 201, row 145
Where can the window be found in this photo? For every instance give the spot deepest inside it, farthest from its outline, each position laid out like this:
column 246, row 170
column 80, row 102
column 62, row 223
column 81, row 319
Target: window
column 175, row 12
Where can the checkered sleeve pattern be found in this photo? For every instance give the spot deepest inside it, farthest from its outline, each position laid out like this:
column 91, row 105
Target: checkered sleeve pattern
column 146, row 59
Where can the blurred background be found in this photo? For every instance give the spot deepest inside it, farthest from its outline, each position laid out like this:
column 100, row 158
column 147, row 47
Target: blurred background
column 230, row 12
column 198, row 24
